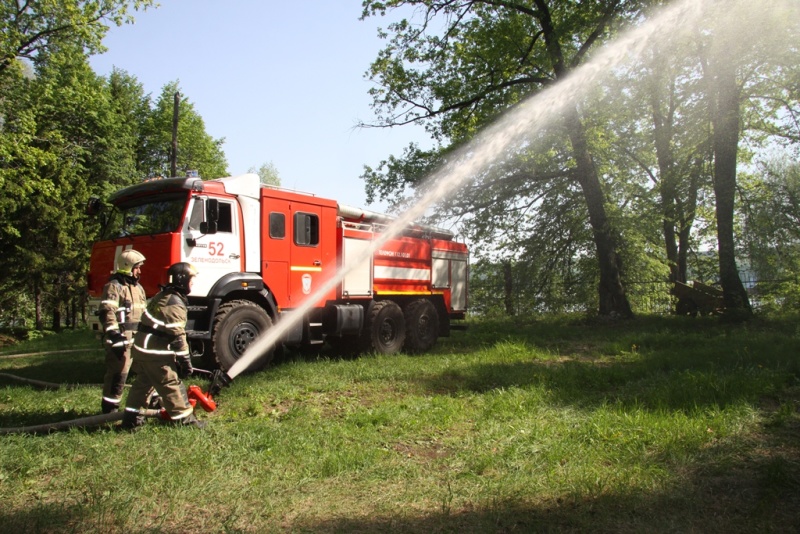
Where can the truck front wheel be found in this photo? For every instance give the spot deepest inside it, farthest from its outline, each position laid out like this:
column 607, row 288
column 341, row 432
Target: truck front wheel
column 237, row 325
column 385, row 328
column 422, row 325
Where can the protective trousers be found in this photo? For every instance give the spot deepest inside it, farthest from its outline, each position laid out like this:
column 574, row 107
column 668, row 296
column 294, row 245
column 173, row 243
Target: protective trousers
column 158, row 372
column 118, row 365
column 120, row 310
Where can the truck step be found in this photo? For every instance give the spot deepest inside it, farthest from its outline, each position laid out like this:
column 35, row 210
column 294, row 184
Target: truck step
column 198, row 334
column 315, row 334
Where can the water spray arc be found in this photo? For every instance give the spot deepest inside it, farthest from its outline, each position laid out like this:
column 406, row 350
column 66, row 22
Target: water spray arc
column 516, row 126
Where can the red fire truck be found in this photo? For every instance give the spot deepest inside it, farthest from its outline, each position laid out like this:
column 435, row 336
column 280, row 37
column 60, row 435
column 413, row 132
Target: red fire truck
column 263, row 251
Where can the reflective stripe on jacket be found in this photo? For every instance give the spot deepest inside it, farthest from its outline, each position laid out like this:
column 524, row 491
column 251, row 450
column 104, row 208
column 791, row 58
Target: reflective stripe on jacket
column 119, row 289
column 162, row 331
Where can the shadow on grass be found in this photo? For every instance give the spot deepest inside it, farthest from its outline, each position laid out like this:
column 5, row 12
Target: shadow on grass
column 672, row 364
column 708, row 504
column 73, row 372
column 759, row 495
column 59, row 517
column 586, row 384
column 758, row 492
column 78, row 368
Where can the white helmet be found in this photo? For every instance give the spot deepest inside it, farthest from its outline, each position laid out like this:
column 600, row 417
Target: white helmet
column 128, row 260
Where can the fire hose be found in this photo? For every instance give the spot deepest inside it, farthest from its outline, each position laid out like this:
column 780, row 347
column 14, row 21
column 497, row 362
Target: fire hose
column 205, row 400
column 42, row 384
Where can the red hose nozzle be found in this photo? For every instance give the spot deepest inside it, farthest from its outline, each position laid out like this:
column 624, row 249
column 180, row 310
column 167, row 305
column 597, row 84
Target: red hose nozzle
column 205, row 400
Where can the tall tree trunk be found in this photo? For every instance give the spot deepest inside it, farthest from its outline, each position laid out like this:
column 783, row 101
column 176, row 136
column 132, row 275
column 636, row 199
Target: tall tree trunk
column 662, row 137
column 725, row 96
column 687, row 206
column 508, row 289
column 37, row 303
column 677, row 192
column 56, row 326
column 612, row 298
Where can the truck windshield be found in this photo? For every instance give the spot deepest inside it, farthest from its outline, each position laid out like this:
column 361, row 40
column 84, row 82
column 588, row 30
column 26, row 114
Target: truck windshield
column 148, row 217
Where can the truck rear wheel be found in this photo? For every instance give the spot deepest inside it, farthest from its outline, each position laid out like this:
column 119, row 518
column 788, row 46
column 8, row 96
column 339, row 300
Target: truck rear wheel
column 422, row 325
column 237, row 325
column 385, row 328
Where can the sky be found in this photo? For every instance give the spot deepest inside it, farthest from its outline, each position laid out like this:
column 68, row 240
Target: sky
column 281, row 82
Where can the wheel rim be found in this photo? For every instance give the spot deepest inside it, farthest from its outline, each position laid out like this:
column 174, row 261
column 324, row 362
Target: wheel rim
column 424, row 326
column 243, row 336
column 387, row 333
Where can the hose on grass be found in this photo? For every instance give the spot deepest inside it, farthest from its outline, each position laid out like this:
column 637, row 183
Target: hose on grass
column 46, row 385
column 45, row 353
column 82, row 422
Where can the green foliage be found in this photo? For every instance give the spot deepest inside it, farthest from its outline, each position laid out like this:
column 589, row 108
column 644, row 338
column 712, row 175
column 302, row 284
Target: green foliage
column 529, row 288
column 129, row 109
column 770, row 234
column 268, row 174
column 55, row 128
column 456, row 66
column 459, row 75
column 196, row 149
column 30, row 29
column 66, row 135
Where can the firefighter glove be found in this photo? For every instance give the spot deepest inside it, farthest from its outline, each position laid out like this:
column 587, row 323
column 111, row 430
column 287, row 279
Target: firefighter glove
column 184, row 364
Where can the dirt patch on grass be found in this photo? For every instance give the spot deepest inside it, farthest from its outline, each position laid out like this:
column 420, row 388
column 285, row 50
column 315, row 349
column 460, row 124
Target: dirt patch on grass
column 424, row 450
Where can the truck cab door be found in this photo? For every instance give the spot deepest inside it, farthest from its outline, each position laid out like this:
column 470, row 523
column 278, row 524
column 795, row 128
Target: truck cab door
column 313, row 252
column 214, row 254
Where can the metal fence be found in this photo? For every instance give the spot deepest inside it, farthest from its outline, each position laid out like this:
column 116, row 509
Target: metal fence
column 645, row 297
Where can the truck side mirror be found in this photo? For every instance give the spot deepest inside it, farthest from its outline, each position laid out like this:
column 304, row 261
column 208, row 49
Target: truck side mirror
column 209, row 226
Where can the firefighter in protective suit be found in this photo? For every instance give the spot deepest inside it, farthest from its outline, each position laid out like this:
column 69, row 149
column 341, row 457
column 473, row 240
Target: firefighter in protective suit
column 161, row 354
column 120, row 310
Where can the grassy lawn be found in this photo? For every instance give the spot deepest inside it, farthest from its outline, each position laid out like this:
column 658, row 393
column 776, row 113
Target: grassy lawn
column 523, row 425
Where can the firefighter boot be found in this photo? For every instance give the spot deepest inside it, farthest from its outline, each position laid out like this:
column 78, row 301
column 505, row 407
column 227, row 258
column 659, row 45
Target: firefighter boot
column 109, row 406
column 131, row 421
column 191, row 421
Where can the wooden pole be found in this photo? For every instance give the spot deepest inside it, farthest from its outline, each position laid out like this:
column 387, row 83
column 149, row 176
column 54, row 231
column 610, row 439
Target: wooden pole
column 173, row 164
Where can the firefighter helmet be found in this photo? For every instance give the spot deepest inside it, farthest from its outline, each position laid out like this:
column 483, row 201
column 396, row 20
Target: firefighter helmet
column 128, row 260
column 179, row 275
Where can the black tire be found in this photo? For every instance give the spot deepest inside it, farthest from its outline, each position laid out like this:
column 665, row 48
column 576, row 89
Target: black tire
column 422, row 326
column 237, row 324
column 385, row 328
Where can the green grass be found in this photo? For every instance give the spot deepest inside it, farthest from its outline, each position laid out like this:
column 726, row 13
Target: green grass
column 546, row 425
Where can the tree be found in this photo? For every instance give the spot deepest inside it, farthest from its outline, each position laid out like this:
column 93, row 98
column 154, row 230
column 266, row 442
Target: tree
column 658, row 149
column 32, row 27
column 20, row 160
column 131, row 108
column 67, row 132
column 489, row 56
column 731, row 56
column 772, row 228
column 197, row 150
column 268, row 174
